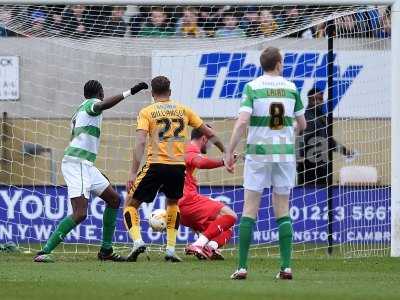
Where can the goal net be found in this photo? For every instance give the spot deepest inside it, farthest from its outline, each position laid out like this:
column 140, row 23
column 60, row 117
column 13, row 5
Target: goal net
column 209, row 52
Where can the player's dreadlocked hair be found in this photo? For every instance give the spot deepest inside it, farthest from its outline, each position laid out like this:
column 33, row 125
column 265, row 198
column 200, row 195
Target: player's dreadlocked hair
column 196, row 133
column 92, row 89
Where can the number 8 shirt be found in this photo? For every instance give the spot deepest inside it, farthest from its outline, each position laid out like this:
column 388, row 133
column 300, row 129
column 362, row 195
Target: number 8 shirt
column 273, row 102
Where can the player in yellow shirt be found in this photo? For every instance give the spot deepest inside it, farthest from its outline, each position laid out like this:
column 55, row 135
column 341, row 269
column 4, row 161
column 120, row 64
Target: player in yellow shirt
column 165, row 123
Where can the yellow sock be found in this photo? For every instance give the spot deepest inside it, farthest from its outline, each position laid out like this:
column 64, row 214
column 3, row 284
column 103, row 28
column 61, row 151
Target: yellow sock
column 172, row 225
column 132, row 222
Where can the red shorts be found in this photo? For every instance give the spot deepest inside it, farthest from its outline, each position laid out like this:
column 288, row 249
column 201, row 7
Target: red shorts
column 198, row 211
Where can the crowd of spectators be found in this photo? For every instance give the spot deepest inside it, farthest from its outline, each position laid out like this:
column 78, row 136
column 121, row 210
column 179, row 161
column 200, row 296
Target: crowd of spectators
column 217, row 21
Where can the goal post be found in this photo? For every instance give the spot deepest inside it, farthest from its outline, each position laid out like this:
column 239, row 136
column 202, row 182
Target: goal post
column 395, row 127
column 110, row 56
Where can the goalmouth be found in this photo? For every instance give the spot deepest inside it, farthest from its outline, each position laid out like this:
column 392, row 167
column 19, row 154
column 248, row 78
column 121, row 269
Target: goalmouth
column 188, row 55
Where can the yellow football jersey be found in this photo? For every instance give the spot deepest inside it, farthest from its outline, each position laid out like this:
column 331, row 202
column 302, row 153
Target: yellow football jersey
column 167, row 125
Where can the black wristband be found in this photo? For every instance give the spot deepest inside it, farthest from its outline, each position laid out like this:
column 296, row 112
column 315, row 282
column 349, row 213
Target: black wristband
column 140, row 86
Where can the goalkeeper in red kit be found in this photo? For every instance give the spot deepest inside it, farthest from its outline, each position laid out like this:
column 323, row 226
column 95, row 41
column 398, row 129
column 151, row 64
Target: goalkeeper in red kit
column 211, row 219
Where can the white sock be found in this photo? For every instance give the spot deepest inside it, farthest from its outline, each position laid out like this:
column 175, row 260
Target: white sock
column 201, row 241
column 170, row 250
column 213, row 244
column 138, row 242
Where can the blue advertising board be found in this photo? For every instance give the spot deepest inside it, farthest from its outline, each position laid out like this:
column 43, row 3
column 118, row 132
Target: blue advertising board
column 30, row 214
column 212, row 83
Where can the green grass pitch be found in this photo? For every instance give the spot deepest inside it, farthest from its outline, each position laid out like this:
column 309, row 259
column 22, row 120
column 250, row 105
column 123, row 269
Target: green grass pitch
column 81, row 276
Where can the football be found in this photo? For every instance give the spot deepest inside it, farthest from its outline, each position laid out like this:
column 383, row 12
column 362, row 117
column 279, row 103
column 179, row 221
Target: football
column 158, row 220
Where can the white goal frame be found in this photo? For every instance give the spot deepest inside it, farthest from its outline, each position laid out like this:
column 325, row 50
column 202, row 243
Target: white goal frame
column 395, row 72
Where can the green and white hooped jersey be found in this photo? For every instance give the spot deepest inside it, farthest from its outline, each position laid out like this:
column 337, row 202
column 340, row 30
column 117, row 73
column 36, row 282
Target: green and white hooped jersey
column 85, row 133
column 271, row 138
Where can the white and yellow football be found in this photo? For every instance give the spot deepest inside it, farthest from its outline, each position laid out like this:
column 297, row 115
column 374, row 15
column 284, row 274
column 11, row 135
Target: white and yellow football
column 158, row 220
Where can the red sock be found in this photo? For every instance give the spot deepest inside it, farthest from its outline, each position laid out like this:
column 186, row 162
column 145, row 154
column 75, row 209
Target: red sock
column 223, row 238
column 219, row 225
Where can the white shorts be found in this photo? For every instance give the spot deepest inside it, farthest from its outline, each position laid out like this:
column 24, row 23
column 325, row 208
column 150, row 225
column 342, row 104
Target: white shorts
column 260, row 175
column 81, row 179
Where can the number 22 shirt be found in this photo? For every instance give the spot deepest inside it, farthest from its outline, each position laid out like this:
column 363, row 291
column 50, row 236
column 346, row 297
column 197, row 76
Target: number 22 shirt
column 167, row 125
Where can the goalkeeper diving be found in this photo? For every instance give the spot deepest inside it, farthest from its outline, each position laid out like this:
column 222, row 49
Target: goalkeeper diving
column 80, row 174
column 211, row 219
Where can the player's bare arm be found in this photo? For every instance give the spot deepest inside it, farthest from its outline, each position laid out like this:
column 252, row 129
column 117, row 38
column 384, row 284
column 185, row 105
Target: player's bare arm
column 141, row 137
column 114, row 100
column 301, row 124
column 238, row 131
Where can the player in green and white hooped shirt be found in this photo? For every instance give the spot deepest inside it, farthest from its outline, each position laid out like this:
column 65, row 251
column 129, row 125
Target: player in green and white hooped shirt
column 80, row 174
column 269, row 108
